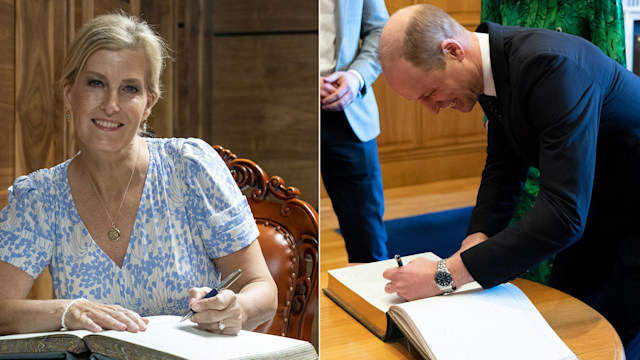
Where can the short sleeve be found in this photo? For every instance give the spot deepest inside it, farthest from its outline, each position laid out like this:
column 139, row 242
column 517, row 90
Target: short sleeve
column 219, row 209
column 25, row 239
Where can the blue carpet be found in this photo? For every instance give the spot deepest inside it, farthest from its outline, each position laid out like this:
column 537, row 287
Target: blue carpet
column 439, row 232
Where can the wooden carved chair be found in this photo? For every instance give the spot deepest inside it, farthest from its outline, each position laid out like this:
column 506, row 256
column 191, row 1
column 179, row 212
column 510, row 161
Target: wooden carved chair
column 289, row 241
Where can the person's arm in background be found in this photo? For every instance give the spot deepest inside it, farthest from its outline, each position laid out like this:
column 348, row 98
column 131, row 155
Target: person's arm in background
column 342, row 87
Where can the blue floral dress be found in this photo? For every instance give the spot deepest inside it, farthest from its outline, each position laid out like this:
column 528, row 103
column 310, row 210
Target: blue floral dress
column 191, row 211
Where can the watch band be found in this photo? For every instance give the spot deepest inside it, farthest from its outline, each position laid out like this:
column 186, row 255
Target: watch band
column 443, row 278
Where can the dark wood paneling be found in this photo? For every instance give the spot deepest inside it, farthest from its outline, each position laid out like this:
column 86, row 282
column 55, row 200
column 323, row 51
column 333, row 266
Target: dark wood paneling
column 35, row 85
column 7, row 96
column 83, row 10
column 265, row 16
column 194, row 70
column 162, row 15
column 108, row 6
column 266, row 104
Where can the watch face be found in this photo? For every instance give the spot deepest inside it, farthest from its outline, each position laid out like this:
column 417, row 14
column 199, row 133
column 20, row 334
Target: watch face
column 443, row 279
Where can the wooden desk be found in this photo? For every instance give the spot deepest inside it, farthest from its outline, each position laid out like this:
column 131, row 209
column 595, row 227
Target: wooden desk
column 583, row 329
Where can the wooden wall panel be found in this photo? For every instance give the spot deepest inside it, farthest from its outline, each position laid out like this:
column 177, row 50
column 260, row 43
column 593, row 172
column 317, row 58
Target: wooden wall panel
column 265, row 16
column 401, row 125
column 194, row 62
column 163, row 16
column 84, row 10
column 35, row 86
column 7, row 96
column 265, row 104
column 416, row 146
column 244, row 77
column 264, row 97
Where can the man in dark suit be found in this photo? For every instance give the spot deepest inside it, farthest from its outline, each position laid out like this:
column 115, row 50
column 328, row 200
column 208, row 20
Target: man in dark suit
column 349, row 35
column 553, row 101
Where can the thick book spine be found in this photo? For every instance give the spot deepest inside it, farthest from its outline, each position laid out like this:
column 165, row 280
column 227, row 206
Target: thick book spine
column 377, row 331
column 44, row 344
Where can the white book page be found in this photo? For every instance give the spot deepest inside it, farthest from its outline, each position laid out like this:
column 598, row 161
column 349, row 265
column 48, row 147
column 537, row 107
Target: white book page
column 167, row 334
column 498, row 323
column 366, row 280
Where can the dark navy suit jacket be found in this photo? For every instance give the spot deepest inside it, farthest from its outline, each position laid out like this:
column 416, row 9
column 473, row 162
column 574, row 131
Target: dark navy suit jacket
column 568, row 109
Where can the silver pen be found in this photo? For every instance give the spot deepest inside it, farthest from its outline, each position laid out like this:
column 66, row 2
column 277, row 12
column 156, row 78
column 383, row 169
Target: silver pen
column 223, row 285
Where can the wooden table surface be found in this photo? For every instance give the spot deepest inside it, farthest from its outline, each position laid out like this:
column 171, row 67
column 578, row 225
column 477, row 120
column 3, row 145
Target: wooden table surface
column 583, row 329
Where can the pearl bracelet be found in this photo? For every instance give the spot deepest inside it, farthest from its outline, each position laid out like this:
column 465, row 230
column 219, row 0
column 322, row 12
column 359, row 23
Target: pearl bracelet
column 66, row 310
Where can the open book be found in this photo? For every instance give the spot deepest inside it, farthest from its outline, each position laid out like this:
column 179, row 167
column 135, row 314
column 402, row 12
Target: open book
column 471, row 323
column 165, row 338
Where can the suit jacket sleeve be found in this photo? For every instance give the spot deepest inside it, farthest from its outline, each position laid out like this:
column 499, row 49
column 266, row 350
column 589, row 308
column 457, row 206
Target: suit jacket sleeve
column 374, row 16
column 558, row 97
column 501, row 185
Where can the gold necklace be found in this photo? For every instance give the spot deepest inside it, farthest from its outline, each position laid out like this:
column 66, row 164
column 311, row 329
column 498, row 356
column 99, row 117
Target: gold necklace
column 114, row 232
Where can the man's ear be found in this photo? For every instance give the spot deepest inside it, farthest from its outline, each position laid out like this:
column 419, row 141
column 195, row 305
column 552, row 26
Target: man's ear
column 452, row 48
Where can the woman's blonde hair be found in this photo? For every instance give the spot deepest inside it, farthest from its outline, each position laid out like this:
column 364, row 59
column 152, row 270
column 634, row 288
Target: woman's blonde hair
column 117, row 31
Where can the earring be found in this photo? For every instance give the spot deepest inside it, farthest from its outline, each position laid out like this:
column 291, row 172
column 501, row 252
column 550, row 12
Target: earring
column 68, row 116
column 145, row 128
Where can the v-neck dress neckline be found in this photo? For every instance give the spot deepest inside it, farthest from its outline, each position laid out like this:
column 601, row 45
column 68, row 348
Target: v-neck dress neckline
column 191, row 211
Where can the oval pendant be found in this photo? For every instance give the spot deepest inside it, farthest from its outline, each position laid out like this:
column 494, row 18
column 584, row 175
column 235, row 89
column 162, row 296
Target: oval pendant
column 114, row 233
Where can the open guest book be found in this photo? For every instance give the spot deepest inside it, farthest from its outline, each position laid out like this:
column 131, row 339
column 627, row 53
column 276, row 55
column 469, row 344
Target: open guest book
column 471, row 323
column 165, row 338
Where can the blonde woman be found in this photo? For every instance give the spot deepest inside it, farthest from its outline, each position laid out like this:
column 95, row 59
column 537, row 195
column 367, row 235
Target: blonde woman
column 130, row 226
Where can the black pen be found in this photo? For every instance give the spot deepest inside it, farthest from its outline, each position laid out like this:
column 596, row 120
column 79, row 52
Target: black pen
column 398, row 260
column 223, row 285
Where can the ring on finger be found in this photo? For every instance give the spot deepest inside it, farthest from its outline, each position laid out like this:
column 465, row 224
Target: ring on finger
column 221, row 325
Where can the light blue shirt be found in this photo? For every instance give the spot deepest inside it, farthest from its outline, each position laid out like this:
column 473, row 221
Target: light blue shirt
column 191, row 211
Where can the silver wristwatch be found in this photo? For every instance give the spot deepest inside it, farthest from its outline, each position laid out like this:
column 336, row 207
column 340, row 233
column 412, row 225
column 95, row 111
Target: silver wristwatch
column 443, row 278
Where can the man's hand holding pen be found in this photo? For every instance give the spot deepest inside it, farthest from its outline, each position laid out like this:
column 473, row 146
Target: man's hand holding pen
column 417, row 280
column 412, row 281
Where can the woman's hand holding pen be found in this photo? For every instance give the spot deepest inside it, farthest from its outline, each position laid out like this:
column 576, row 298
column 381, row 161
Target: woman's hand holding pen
column 96, row 317
column 223, row 307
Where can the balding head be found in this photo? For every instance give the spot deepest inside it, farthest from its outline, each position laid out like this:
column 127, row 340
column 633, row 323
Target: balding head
column 415, row 33
column 391, row 45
